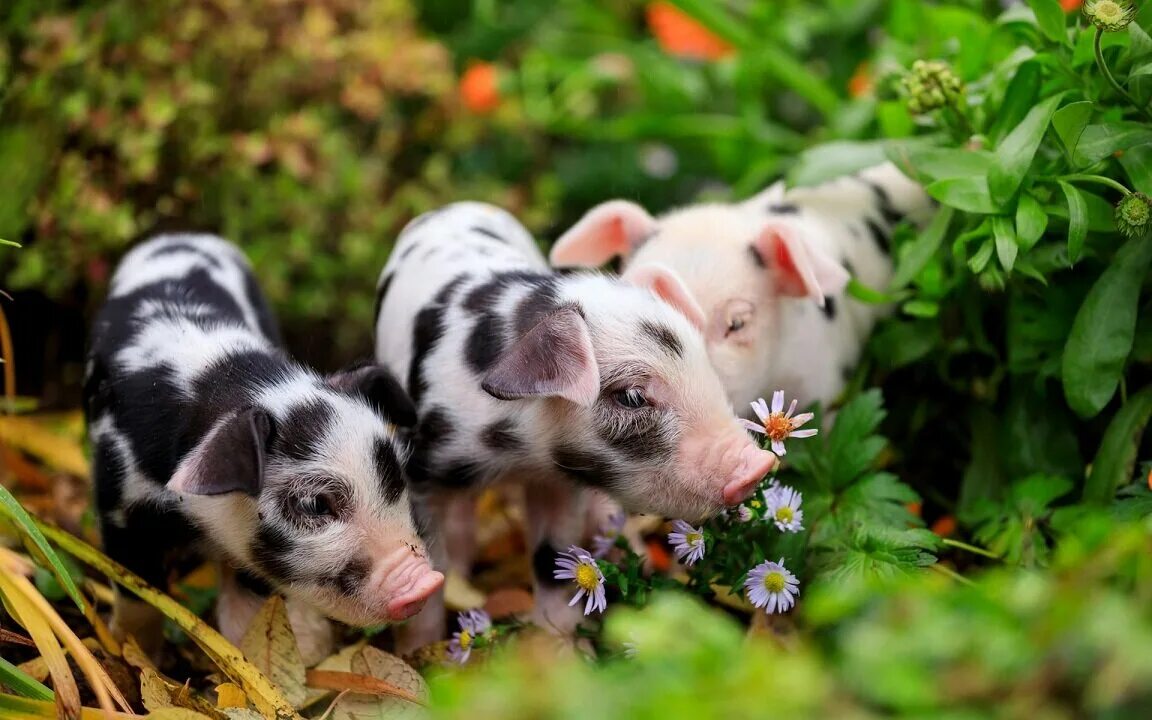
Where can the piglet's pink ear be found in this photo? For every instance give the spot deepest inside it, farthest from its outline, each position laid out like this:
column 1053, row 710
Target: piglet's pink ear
column 616, row 227
column 800, row 270
column 668, row 287
column 553, row 359
column 229, row 459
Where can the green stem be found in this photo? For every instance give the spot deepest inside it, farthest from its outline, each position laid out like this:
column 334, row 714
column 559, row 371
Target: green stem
column 1098, row 179
column 949, row 572
column 1111, row 80
column 970, row 548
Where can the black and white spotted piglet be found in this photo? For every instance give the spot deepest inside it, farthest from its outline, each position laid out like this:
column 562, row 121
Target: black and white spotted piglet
column 557, row 382
column 207, row 438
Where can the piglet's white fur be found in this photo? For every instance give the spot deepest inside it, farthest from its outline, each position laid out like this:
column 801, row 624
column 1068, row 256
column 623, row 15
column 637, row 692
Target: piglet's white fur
column 769, row 273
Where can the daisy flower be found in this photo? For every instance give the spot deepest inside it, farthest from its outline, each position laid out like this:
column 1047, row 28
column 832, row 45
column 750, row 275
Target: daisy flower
column 473, row 624
column 777, row 424
column 772, row 587
column 577, row 565
column 606, row 540
column 687, row 542
column 784, row 508
column 743, row 514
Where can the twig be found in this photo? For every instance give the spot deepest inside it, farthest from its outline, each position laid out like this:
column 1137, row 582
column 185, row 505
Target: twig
column 332, row 706
column 949, row 572
column 970, row 548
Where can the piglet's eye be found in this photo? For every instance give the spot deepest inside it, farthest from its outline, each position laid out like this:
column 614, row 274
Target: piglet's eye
column 631, row 398
column 314, row 506
column 736, row 315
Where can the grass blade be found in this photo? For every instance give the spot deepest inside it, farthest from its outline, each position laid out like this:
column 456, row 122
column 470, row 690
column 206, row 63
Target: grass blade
column 267, row 699
column 18, row 708
column 23, row 683
column 10, row 508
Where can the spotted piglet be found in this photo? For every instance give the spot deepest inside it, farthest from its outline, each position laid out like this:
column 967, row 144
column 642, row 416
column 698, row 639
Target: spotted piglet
column 769, row 273
column 209, row 441
column 556, row 382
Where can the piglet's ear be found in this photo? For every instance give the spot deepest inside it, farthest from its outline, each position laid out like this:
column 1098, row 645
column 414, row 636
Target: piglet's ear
column 616, row 227
column 553, row 359
column 800, row 270
column 667, row 286
column 380, row 388
column 229, row 459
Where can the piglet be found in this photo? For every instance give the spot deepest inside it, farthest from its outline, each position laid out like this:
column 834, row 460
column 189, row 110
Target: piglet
column 560, row 383
column 208, row 441
column 769, row 273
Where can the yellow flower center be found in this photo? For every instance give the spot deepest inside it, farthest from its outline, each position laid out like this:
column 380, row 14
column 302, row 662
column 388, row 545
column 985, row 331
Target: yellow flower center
column 465, row 639
column 757, row 503
column 693, row 538
column 586, row 577
column 774, row 582
column 1108, row 11
column 778, row 426
column 784, row 514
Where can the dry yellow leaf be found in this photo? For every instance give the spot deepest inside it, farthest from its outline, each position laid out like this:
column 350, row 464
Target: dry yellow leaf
column 175, row 713
column 229, row 695
column 725, row 596
column 459, row 594
column 271, row 646
column 159, row 693
column 376, row 663
column 34, row 435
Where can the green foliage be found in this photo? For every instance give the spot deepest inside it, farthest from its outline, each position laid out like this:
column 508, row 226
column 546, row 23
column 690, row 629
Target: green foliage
column 1070, row 641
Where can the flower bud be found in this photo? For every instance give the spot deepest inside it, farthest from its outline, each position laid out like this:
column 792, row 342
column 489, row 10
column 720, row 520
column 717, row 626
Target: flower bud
column 1110, row 15
column 931, row 85
column 1134, row 215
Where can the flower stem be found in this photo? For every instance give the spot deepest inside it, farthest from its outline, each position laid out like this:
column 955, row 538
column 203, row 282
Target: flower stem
column 1111, row 80
column 1099, row 180
column 970, row 548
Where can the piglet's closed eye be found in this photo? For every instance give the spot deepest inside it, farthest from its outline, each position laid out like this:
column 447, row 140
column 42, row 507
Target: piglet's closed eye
column 799, row 269
column 229, row 459
column 553, row 359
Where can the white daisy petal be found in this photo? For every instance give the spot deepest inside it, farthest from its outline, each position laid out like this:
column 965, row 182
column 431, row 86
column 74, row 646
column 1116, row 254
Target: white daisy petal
column 749, row 425
column 777, row 401
column 803, row 433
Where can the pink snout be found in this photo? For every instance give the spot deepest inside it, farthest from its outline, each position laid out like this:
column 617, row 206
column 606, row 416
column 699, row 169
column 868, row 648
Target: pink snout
column 408, row 587
column 751, row 468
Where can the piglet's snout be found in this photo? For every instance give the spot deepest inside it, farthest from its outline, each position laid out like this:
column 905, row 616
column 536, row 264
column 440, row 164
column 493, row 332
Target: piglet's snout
column 404, row 587
column 751, row 467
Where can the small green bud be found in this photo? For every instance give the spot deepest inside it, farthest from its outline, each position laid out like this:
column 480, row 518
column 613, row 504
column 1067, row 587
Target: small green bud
column 1110, row 15
column 1134, row 215
column 931, row 85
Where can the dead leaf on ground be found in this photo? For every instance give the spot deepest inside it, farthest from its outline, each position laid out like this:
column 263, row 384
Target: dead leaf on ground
column 459, row 594
column 55, row 439
column 158, row 693
column 509, row 601
column 271, row 646
column 378, row 664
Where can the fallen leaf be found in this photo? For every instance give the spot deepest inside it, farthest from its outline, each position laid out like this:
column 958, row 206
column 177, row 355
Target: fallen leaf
column 377, row 664
column 509, row 601
column 725, row 597
column 356, row 683
column 158, row 693
column 35, row 435
column 271, row 646
column 229, row 695
column 459, row 594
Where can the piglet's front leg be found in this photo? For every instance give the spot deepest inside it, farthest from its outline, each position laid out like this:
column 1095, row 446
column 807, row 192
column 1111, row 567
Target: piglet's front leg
column 556, row 517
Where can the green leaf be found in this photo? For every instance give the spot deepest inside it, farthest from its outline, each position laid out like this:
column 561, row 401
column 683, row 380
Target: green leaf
column 1019, row 98
column 1034, row 494
column 1140, row 46
column 10, row 243
column 865, row 294
column 926, row 164
column 23, row 683
column 10, row 508
column 1031, row 221
column 979, row 261
column 851, row 446
column 1005, row 237
column 1137, row 163
column 1050, row 18
column 835, row 159
column 1069, row 122
column 1116, row 459
column 1014, row 154
column 921, row 308
column 1077, row 220
column 1103, row 330
column 1099, row 141
column 915, row 255
column 964, row 193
